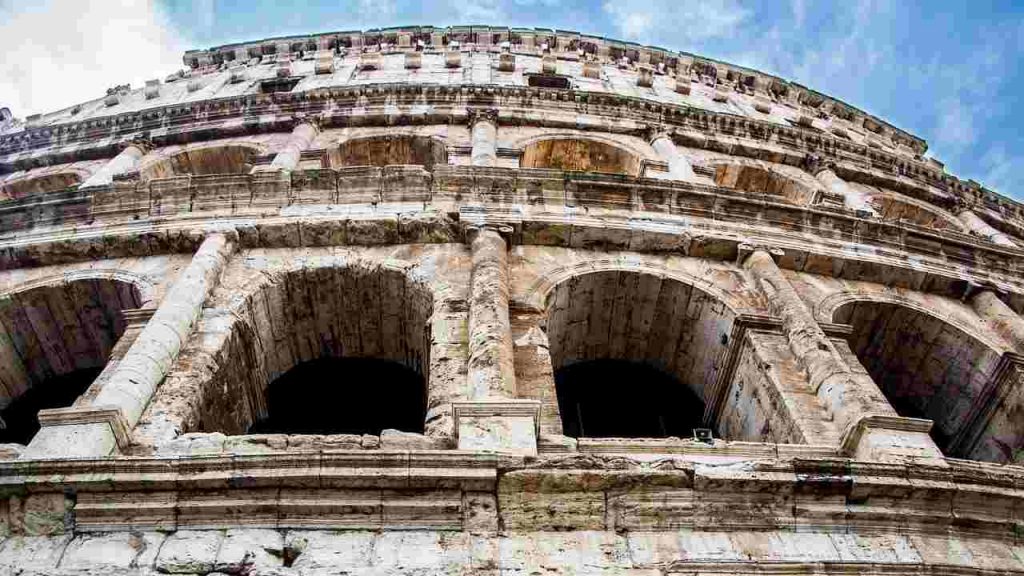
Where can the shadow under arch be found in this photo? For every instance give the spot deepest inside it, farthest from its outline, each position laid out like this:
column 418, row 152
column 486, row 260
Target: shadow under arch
column 390, row 149
column 580, row 153
column 203, row 160
column 320, row 317
column 655, row 343
column 55, row 338
column 927, row 366
column 30, row 185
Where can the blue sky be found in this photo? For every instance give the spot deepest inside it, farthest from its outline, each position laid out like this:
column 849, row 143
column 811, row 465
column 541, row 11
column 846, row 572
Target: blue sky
column 948, row 72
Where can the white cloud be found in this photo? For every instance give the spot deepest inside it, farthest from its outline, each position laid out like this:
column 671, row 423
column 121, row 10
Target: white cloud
column 675, row 21
column 57, row 53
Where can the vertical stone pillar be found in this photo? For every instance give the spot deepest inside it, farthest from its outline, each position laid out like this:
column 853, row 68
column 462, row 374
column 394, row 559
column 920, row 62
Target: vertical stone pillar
column 852, row 199
column 679, row 167
column 491, row 418
column 975, row 224
column 300, row 139
column 100, row 425
column 126, row 161
column 870, row 427
column 997, row 314
column 483, row 125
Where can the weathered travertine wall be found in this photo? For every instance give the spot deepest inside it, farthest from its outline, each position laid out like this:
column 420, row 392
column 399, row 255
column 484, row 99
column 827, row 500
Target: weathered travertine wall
column 485, row 207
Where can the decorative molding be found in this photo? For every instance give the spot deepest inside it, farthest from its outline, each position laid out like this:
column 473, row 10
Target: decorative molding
column 852, row 435
column 110, row 415
column 510, row 408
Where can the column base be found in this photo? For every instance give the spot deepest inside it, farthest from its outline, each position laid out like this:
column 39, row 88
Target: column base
column 505, row 426
column 78, row 432
column 890, row 439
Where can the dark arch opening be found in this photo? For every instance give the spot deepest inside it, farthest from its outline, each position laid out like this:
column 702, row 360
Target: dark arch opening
column 925, row 366
column 580, row 155
column 390, row 150
column 344, row 396
column 624, row 399
column 54, row 341
column 634, row 354
column 18, row 421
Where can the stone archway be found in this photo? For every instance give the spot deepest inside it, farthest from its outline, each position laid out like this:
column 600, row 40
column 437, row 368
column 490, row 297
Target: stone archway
column 760, row 180
column 390, row 149
column 203, row 160
column 644, row 330
column 927, row 366
column 325, row 324
column 580, row 154
column 55, row 338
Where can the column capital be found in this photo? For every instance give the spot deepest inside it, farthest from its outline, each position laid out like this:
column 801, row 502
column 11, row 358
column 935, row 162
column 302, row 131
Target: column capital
column 816, row 164
column 145, row 145
column 475, row 115
column 655, row 132
column 504, row 230
column 745, row 249
column 314, row 120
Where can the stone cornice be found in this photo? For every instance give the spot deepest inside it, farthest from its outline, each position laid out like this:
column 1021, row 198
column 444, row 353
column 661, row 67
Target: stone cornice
column 219, row 118
column 544, row 207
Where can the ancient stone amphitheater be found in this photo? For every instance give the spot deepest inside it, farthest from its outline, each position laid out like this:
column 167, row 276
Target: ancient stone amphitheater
column 482, row 300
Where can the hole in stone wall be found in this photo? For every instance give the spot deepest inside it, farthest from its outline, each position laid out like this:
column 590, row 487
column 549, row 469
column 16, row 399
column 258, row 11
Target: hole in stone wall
column 344, row 396
column 926, row 367
column 580, row 155
column 617, row 398
column 390, row 150
column 891, row 207
column 54, row 340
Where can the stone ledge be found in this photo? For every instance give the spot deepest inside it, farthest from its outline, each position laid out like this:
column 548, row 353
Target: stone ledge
column 110, row 415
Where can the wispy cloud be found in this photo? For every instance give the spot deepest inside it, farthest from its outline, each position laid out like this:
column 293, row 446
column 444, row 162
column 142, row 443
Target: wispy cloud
column 60, row 52
column 675, row 22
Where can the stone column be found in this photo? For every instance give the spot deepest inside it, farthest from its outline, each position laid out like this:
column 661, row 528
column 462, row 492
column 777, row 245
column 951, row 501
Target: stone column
column 483, row 125
column 100, row 426
column 852, row 199
column 869, row 426
column 126, row 161
column 491, row 418
column 975, row 224
column 301, row 138
column 679, row 167
column 997, row 314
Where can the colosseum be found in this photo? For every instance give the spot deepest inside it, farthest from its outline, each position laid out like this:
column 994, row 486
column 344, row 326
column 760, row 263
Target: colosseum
column 492, row 301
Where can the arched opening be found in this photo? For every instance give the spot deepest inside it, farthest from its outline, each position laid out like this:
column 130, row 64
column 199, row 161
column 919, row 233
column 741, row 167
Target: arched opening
column 332, row 350
column 762, row 181
column 580, row 155
column 634, row 354
column 204, row 161
column 344, row 396
column 892, row 207
column 925, row 366
column 54, row 342
column 387, row 150
column 27, row 186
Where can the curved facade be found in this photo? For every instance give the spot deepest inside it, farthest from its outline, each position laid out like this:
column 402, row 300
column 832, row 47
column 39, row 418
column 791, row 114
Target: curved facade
column 633, row 311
